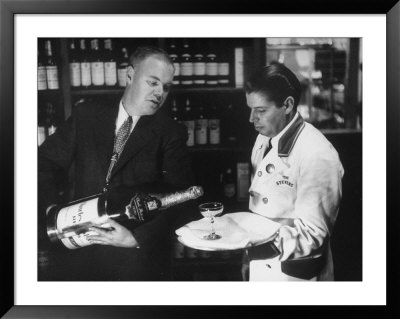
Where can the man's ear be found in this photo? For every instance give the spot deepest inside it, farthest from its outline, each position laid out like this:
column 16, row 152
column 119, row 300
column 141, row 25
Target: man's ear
column 130, row 72
column 288, row 104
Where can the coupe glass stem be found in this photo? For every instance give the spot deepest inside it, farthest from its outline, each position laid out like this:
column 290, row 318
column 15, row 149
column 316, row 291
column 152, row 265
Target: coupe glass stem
column 212, row 227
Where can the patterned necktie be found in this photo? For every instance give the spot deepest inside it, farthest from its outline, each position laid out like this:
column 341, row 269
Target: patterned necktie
column 119, row 143
column 268, row 148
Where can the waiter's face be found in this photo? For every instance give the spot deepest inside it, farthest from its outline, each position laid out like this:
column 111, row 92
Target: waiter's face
column 149, row 85
column 268, row 119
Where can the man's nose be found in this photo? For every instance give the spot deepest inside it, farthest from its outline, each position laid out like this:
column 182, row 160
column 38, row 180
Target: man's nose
column 251, row 119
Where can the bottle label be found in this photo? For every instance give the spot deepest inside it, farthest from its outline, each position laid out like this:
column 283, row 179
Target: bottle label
column 75, row 73
column 79, row 216
column 122, row 77
column 110, row 71
column 239, row 75
column 201, row 131
column 42, row 79
column 177, row 67
column 52, row 77
column 190, row 129
column 212, row 68
column 97, row 71
column 85, row 74
column 214, row 131
column 223, row 69
column 186, row 69
column 199, row 68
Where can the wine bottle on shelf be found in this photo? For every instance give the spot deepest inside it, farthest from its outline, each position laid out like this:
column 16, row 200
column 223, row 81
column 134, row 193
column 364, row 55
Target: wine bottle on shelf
column 51, row 68
column 86, row 77
column 175, row 111
column 189, row 123
column 110, row 64
column 199, row 65
column 186, row 67
column 69, row 224
column 96, row 63
column 211, row 66
column 174, row 55
column 214, row 126
column 74, row 65
column 223, row 65
column 122, row 67
column 41, row 73
column 51, row 125
column 229, row 184
column 201, row 126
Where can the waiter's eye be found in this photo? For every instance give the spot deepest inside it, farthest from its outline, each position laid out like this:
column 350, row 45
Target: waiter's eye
column 152, row 83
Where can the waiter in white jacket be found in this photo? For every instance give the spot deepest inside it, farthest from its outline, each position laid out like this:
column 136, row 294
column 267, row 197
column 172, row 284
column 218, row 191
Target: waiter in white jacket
column 296, row 181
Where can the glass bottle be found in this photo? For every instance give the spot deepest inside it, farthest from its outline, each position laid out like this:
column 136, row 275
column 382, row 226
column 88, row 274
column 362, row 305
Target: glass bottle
column 123, row 67
column 214, row 126
column 51, row 68
column 69, row 224
column 96, row 64
column 41, row 73
column 186, row 67
column 74, row 65
column 211, row 65
column 86, row 77
column 201, row 127
column 223, row 65
column 199, row 65
column 174, row 55
column 110, row 64
column 175, row 111
column 188, row 120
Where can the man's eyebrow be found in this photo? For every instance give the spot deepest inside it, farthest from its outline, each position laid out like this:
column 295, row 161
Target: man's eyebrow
column 154, row 77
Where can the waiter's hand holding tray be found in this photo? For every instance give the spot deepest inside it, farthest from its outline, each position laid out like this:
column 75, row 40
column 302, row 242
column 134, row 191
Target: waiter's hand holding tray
column 237, row 230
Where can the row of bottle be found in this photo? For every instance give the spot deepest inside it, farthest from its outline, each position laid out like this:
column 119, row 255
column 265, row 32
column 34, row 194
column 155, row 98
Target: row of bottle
column 199, row 64
column 102, row 66
column 203, row 128
column 47, row 70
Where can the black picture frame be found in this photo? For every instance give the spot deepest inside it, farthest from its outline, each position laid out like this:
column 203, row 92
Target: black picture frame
column 8, row 10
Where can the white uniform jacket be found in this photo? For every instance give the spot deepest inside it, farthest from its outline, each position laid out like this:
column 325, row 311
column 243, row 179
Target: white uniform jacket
column 299, row 184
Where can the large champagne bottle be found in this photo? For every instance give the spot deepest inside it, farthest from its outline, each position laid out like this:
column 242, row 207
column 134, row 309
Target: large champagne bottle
column 70, row 223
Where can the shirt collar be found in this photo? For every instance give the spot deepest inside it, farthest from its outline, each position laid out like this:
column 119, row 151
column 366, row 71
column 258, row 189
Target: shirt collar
column 288, row 136
column 122, row 116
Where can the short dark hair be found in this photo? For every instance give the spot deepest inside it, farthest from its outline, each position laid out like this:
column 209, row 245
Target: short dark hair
column 276, row 82
column 142, row 53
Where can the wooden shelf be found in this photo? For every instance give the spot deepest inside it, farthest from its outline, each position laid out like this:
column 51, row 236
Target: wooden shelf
column 178, row 90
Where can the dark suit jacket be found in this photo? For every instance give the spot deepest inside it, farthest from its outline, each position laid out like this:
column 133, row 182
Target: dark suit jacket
column 155, row 154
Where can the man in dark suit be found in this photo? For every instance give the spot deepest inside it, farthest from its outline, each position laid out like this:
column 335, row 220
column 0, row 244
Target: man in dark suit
column 155, row 153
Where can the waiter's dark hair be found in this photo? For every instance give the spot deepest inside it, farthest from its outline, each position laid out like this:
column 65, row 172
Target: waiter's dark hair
column 142, row 53
column 276, row 82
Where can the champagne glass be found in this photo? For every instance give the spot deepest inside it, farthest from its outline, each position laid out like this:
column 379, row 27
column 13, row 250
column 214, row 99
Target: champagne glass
column 210, row 210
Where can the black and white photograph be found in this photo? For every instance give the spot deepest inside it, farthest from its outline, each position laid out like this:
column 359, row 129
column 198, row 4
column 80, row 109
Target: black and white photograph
column 162, row 156
column 200, row 159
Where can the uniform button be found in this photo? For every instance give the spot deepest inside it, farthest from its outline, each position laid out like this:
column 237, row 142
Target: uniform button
column 259, row 173
column 251, row 193
column 265, row 200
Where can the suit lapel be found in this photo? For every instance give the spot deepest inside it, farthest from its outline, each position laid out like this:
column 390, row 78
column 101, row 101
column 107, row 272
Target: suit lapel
column 104, row 135
column 141, row 135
